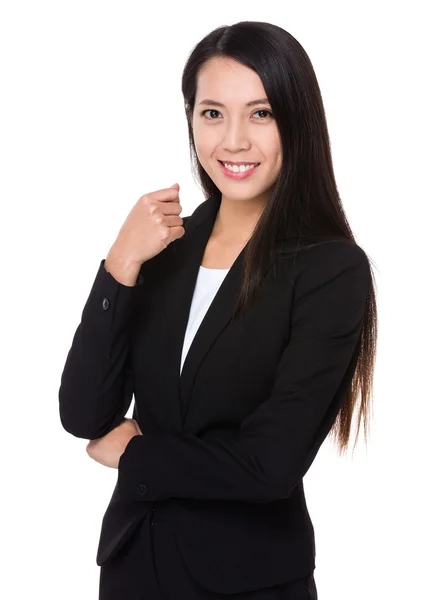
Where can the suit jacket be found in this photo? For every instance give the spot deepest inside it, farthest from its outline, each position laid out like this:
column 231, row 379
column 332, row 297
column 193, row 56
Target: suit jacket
column 227, row 442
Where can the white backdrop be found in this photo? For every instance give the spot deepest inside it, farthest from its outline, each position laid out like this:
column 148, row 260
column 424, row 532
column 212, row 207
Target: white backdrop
column 91, row 119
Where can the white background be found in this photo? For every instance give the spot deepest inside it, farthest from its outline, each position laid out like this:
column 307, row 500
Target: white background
column 91, row 119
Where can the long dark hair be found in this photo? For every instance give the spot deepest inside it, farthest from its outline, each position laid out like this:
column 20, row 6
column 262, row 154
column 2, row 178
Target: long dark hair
column 305, row 196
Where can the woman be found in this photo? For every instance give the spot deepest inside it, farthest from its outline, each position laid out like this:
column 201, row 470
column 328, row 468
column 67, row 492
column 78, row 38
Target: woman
column 246, row 332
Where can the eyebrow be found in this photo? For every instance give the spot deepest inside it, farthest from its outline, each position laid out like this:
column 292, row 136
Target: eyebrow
column 251, row 103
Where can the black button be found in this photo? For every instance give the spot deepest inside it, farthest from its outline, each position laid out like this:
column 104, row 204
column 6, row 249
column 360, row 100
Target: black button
column 142, row 489
column 105, row 304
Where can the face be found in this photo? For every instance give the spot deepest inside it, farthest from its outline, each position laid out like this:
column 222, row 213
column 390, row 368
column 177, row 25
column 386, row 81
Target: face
column 235, row 132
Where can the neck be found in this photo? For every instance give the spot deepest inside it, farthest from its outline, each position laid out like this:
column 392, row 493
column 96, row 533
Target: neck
column 236, row 219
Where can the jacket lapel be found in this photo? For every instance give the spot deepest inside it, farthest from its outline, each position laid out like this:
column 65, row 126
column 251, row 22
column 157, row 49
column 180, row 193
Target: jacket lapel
column 218, row 315
column 186, row 257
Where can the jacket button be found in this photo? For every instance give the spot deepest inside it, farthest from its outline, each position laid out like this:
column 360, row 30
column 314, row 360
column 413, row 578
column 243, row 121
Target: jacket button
column 105, row 304
column 142, row 489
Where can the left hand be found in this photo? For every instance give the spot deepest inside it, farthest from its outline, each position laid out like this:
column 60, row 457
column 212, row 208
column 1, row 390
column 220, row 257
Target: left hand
column 107, row 450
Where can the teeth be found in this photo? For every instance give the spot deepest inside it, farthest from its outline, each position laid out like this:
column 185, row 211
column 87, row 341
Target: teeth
column 239, row 169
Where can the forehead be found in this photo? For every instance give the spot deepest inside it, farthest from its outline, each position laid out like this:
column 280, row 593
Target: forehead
column 228, row 81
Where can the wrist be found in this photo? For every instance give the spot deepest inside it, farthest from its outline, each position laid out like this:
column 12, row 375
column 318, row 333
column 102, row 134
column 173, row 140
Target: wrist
column 123, row 269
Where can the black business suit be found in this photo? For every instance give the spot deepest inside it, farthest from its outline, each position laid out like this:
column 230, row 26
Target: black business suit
column 226, row 444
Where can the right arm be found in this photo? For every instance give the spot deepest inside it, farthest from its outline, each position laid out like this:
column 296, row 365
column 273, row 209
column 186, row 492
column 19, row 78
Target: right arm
column 97, row 382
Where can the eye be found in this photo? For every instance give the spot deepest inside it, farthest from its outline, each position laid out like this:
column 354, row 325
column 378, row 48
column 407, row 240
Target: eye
column 209, row 110
column 263, row 110
column 212, row 110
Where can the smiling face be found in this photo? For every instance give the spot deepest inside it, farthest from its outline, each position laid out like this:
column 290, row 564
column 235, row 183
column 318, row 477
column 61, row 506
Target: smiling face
column 227, row 129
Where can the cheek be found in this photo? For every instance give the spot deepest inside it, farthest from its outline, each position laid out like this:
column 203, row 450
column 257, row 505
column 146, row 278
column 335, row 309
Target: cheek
column 273, row 146
column 206, row 148
column 276, row 157
column 202, row 138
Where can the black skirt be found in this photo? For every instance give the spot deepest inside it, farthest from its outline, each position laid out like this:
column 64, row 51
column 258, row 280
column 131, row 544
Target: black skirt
column 149, row 567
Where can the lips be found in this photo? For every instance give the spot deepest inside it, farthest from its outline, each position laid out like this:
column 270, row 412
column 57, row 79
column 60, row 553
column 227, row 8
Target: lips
column 245, row 164
column 237, row 175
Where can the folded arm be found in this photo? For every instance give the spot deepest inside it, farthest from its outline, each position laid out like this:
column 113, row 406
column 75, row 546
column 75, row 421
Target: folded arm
column 277, row 443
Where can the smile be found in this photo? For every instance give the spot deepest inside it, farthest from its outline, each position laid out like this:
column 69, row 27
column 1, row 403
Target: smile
column 239, row 172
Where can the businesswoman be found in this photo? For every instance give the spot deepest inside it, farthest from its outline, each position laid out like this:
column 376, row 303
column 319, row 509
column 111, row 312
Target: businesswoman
column 246, row 332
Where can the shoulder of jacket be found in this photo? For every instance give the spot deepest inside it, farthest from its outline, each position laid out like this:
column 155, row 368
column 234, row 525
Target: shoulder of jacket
column 312, row 250
column 322, row 261
column 335, row 249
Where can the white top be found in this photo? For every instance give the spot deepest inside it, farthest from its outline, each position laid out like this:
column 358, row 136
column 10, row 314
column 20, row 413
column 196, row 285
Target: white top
column 207, row 285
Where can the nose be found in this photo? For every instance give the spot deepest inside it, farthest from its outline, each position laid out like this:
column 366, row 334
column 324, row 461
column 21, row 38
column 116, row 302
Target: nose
column 235, row 137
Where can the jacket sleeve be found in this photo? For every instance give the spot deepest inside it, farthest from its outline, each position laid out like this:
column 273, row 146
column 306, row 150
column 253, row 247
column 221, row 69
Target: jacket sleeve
column 96, row 383
column 277, row 443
